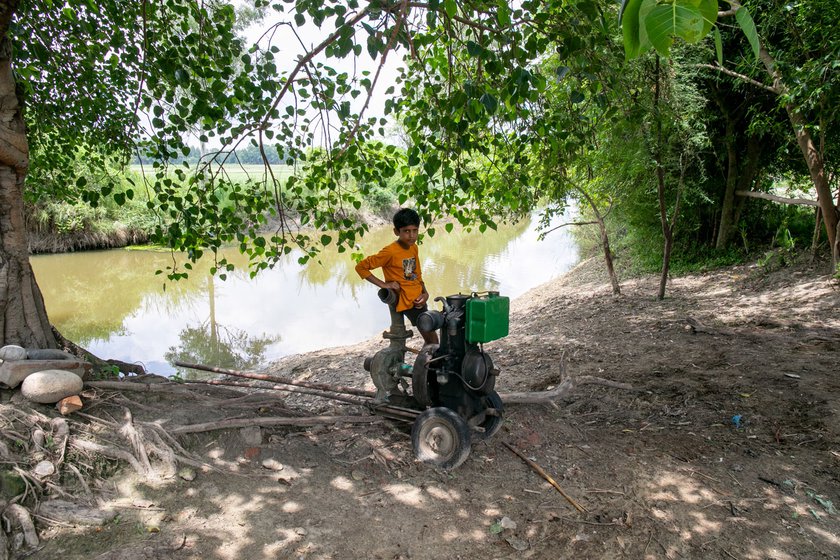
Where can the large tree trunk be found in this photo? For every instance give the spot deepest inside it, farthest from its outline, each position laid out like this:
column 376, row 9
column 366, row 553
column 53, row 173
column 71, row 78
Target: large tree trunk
column 23, row 317
column 813, row 157
column 727, row 208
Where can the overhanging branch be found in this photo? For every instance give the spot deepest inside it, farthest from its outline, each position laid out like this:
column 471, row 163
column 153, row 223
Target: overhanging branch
column 774, row 198
column 741, row 77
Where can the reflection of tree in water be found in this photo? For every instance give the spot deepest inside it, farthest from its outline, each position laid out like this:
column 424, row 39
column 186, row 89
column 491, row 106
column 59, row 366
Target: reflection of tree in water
column 216, row 345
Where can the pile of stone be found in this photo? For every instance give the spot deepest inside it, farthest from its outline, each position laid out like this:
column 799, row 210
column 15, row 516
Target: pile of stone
column 45, row 376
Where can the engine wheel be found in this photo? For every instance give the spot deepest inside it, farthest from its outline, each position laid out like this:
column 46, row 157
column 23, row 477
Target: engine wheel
column 492, row 422
column 420, row 375
column 441, row 438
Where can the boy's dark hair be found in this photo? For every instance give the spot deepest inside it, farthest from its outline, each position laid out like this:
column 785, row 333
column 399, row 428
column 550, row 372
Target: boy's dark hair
column 406, row 217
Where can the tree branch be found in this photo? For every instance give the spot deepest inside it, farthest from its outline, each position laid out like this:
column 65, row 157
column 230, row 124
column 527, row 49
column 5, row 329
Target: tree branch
column 774, row 198
column 741, row 77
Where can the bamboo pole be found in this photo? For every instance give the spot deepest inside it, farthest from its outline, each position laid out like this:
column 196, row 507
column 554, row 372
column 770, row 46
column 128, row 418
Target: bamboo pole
column 280, row 380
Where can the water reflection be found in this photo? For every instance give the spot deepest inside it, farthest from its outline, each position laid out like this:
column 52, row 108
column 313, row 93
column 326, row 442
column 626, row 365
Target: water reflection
column 112, row 303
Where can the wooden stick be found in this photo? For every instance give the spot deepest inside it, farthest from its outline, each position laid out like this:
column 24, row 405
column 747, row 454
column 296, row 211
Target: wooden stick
column 281, row 380
column 270, row 421
column 539, row 470
column 288, row 389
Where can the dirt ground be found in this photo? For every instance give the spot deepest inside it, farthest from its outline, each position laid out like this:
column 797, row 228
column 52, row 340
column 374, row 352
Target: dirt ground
column 729, row 446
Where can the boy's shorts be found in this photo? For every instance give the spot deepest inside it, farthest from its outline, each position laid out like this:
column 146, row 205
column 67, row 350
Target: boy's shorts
column 413, row 313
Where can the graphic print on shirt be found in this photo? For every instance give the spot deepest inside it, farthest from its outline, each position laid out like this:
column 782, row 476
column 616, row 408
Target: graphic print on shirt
column 408, row 268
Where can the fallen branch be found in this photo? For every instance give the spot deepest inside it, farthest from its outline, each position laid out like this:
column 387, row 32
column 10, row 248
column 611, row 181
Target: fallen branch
column 139, row 387
column 280, row 380
column 564, row 388
column 539, row 470
column 264, row 422
column 288, row 389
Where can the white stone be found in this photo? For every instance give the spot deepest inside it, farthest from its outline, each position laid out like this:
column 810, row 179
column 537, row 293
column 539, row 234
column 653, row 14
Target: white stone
column 12, row 353
column 48, row 354
column 44, row 469
column 50, row 386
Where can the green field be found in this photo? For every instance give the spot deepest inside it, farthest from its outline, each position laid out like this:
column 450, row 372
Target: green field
column 238, row 173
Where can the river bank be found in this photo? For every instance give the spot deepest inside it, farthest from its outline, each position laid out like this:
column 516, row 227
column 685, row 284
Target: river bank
column 728, row 446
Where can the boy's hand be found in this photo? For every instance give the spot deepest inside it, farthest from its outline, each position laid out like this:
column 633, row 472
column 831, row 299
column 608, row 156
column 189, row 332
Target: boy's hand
column 392, row 286
column 421, row 299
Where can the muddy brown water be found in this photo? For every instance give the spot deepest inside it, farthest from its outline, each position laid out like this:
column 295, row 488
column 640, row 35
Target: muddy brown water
column 112, row 302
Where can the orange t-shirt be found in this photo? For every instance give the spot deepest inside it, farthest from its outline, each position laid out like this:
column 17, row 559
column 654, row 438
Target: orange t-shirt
column 398, row 265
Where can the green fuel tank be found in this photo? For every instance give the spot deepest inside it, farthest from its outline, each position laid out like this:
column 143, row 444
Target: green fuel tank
column 488, row 317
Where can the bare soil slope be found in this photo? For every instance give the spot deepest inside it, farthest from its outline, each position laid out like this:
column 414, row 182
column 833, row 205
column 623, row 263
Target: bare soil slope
column 729, row 447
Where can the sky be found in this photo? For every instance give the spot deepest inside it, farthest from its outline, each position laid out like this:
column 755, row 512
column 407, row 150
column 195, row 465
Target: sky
column 309, row 36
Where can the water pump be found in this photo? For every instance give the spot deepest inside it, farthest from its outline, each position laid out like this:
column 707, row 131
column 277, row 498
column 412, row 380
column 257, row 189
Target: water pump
column 452, row 383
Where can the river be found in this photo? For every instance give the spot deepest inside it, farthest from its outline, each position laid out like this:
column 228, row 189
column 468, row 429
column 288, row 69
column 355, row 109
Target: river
column 112, row 303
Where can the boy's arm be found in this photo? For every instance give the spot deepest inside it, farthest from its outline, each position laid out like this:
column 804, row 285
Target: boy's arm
column 366, row 266
column 377, row 282
column 423, row 297
column 420, row 300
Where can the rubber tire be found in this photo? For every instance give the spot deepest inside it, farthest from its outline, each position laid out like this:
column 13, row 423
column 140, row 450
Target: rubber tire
column 491, row 424
column 420, row 375
column 441, row 425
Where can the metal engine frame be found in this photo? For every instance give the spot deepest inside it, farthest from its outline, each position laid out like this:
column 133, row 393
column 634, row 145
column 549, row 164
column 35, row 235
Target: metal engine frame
column 455, row 376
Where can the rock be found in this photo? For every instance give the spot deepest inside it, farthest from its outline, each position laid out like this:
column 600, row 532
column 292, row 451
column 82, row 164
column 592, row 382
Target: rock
column 69, row 405
column 44, row 469
column 48, row 354
column 507, row 523
column 187, row 474
column 12, row 353
column 13, row 373
column 51, row 386
column 251, row 435
column 273, row 464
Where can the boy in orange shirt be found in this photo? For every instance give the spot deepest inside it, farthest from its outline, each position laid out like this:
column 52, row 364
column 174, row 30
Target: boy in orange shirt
column 400, row 264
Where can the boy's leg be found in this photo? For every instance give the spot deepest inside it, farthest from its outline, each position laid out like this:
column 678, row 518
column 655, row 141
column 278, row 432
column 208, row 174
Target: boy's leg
column 429, row 337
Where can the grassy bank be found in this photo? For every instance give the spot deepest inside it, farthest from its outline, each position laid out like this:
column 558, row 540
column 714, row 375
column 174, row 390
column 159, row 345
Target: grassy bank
column 65, row 226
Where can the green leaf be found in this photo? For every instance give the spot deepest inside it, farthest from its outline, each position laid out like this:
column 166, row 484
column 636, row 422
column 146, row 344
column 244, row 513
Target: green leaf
column 709, row 10
column 119, row 198
column 449, row 227
column 490, row 103
column 745, row 20
column 718, row 46
column 325, row 240
column 503, row 14
column 628, row 17
column 450, row 7
column 665, row 22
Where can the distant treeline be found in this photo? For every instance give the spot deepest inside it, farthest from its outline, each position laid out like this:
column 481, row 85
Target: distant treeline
column 249, row 154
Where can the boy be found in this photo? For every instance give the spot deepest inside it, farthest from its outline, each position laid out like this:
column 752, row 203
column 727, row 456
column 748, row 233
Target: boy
column 400, row 266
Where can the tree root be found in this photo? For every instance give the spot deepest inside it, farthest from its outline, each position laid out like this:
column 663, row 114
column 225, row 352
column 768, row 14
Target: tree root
column 560, row 391
column 19, row 517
